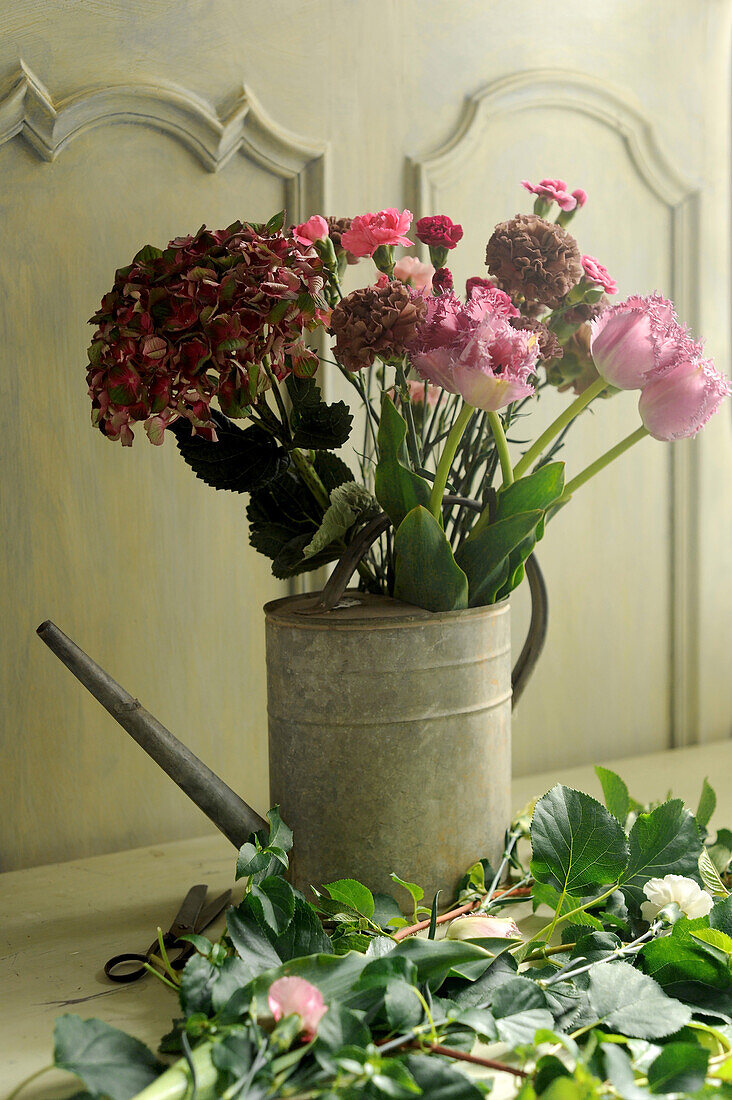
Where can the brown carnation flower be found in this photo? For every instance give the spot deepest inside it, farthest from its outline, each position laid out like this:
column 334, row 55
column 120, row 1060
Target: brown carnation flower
column 535, row 258
column 546, row 341
column 336, row 228
column 576, row 370
column 376, row 320
column 585, row 311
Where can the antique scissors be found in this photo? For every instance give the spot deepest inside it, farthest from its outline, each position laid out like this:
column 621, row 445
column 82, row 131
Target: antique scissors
column 193, row 916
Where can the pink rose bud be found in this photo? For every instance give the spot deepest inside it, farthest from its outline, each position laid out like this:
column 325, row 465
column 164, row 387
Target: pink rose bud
column 314, row 229
column 482, row 928
column 679, row 403
column 639, row 339
column 414, row 273
column 296, row 997
column 596, row 273
column 371, row 231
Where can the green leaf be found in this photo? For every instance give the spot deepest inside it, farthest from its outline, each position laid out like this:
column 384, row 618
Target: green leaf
column 546, row 894
column 416, row 892
column 275, row 223
column 316, row 425
column 485, row 555
column 707, row 805
column 520, row 1008
column 110, row 1063
column 280, row 834
column 680, row 1067
column 196, row 984
column 241, row 460
column 687, row 968
column 426, row 573
column 352, row 894
column 304, row 934
column 251, row 943
column 251, row 861
column 146, row 255
column 576, row 842
column 715, row 938
column 435, row 959
column 631, row 1003
column 398, row 489
column 275, row 902
column 439, row 1081
column 710, row 876
column 402, row 1005
column 664, row 841
column 535, row 491
column 386, row 909
column 349, row 503
column 616, row 794
column 340, row 1027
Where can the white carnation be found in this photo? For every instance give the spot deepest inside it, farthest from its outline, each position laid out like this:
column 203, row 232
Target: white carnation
column 690, row 898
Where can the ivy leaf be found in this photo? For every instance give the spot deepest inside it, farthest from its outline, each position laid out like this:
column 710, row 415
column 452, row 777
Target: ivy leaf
column 110, row 1063
column 316, row 424
column 520, row 1008
column 486, row 554
column 398, row 489
column 576, row 842
column 616, row 794
column 665, row 841
column 354, row 895
column 680, row 1067
column 442, row 586
column 707, row 805
column 241, row 460
column 629, row 1002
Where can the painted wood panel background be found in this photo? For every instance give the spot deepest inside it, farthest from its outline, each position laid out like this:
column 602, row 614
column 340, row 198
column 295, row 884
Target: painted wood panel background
column 127, row 123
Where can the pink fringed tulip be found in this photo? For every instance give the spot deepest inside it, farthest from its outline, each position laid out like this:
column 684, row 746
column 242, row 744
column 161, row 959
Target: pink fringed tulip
column 482, row 928
column 296, row 997
column 638, row 340
column 371, row 231
column 314, row 229
column 679, row 403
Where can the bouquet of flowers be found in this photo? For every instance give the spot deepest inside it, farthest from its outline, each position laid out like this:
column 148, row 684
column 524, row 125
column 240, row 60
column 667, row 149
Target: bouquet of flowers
column 223, row 327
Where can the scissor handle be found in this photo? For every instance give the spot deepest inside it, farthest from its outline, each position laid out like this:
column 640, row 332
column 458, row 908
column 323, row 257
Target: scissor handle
column 111, row 965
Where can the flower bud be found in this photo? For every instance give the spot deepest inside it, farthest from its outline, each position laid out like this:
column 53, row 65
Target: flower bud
column 638, row 340
column 480, row 927
column 295, row 996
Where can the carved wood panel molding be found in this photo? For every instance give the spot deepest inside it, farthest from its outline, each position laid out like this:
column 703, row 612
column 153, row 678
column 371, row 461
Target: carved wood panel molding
column 27, row 109
column 575, row 92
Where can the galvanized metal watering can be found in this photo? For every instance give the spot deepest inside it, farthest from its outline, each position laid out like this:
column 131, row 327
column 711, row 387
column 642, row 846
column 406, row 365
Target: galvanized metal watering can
column 389, row 730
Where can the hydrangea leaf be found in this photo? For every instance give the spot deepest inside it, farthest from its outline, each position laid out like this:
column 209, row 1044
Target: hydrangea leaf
column 316, row 425
column 664, row 841
column 442, row 587
column 577, row 844
column 241, row 460
column 109, row 1062
column 398, row 488
column 632, row 1003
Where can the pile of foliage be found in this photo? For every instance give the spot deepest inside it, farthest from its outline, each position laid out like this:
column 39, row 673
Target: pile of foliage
column 624, row 990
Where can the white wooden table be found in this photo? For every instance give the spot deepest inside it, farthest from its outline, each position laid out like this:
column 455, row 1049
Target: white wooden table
column 59, row 923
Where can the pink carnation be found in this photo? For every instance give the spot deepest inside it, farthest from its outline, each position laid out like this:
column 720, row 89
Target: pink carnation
column 555, row 191
column 297, row 997
column 485, row 299
column 596, row 273
column 580, row 196
column 439, row 231
column 314, row 229
column 476, row 353
column 414, row 273
column 370, row 231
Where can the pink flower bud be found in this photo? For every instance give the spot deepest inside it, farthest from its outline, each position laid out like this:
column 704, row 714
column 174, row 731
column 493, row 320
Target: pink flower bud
column 554, row 191
column 295, row 996
column 314, row 229
column 639, row 339
column 580, row 196
column 414, row 273
column 595, row 272
column 679, row 403
column 482, row 928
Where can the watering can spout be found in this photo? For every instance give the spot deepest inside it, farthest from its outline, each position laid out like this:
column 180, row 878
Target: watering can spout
column 222, row 806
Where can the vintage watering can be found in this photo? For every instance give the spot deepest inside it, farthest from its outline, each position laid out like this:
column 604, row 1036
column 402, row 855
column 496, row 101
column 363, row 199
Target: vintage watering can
column 389, row 730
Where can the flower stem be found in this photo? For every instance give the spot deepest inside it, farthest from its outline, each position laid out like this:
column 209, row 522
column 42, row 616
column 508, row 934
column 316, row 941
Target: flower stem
column 502, row 447
column 448, row 454
column 27, row 1081
column 309, row 476
column 600, row 464
column 406, row 403
column 557, row 425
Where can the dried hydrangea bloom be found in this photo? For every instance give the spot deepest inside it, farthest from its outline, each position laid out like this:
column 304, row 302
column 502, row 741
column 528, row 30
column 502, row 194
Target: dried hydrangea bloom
column 375, row 321
column 191, row 324
column 534, row 258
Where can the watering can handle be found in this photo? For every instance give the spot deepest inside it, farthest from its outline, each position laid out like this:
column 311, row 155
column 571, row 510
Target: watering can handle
column 346, row 567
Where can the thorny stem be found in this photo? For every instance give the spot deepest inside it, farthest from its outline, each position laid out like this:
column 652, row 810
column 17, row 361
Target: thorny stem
column 474, row 1059
column 468, row 907
column 631, row 948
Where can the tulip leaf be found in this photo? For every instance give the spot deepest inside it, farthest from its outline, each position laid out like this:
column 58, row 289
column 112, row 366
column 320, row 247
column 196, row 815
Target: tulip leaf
column 398, row 489
column 426, row 573
column 538, row 490
column 665, row 841
column 576, row 842
column 485, row 556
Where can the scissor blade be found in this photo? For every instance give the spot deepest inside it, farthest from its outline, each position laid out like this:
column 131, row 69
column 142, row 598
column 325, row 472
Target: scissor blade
column 211, row 911
column 185, row 920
